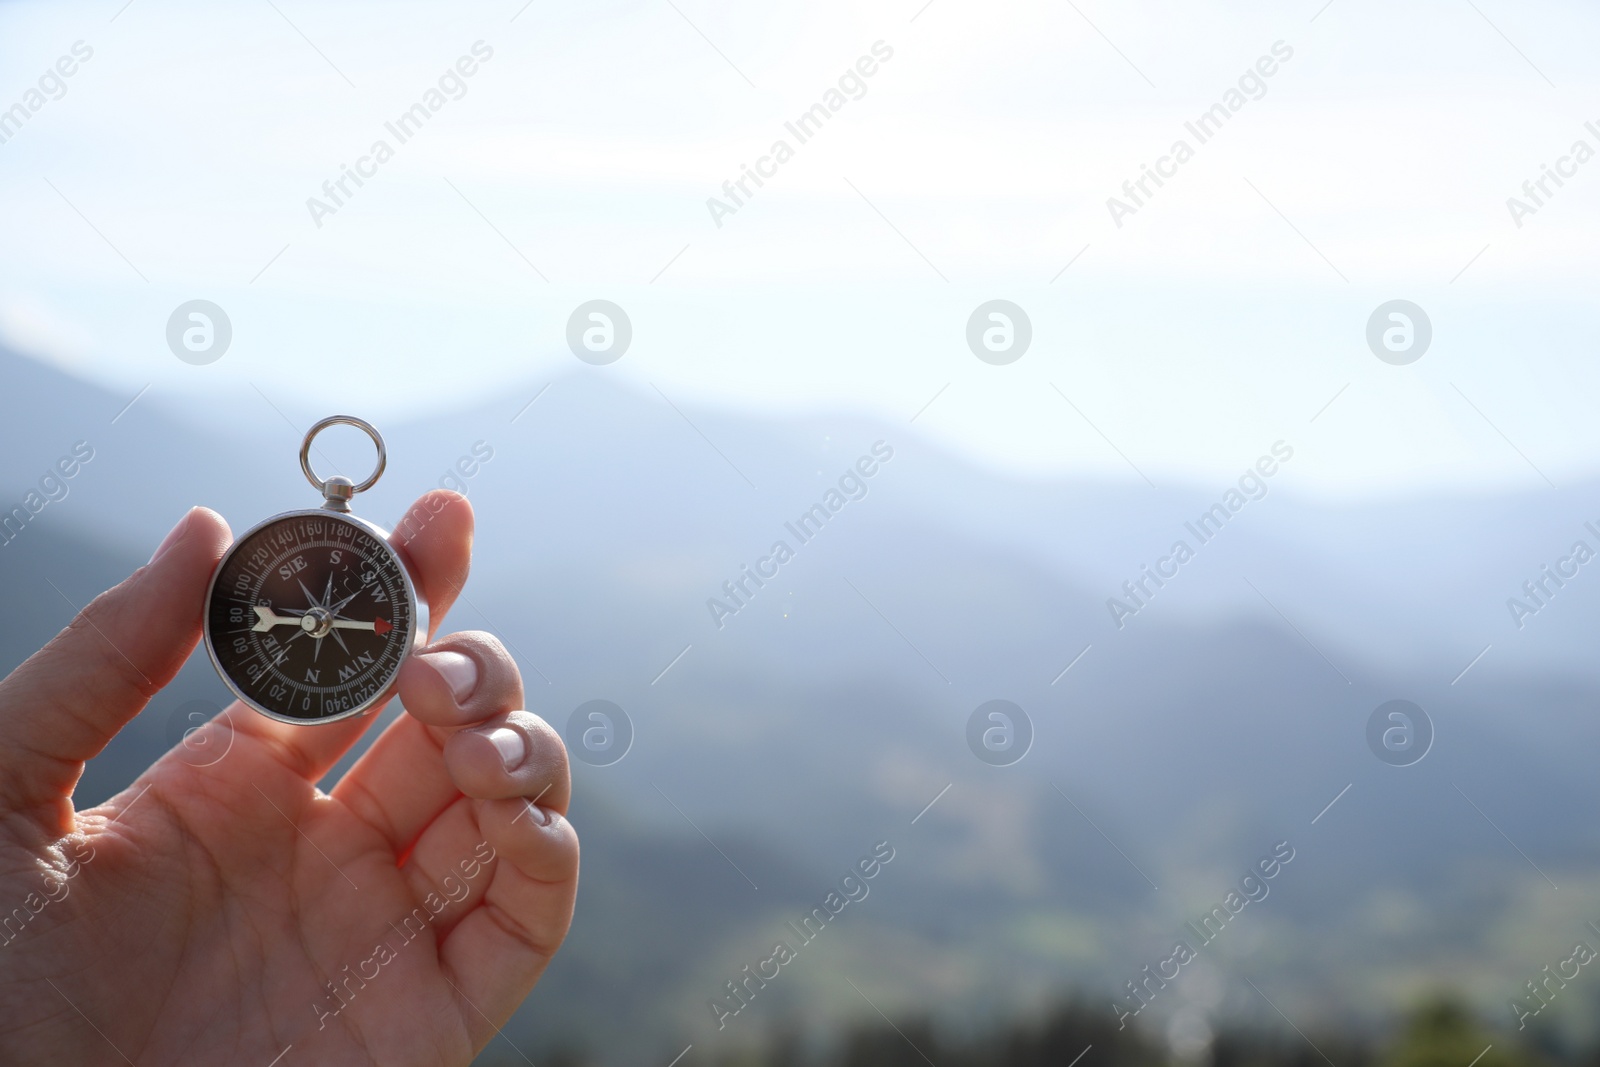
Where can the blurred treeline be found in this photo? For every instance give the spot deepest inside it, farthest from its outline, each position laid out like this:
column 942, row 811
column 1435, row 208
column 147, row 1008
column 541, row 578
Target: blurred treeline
column 1439, row 1033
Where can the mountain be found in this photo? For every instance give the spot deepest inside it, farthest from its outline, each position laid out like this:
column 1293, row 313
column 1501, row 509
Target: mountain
column 827, row 712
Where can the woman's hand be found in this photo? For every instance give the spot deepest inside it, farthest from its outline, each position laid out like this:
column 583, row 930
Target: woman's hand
column 223, row 909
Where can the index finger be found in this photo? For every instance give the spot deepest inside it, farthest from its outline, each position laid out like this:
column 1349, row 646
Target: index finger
column 435, row 537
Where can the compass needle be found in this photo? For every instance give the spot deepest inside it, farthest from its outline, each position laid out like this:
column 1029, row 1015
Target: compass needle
column 266, row 619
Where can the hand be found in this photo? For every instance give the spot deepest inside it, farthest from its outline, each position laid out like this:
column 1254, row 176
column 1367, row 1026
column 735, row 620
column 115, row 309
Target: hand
column 223, row 913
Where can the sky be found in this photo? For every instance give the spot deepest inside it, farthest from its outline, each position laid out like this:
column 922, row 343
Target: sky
column 1178, row 340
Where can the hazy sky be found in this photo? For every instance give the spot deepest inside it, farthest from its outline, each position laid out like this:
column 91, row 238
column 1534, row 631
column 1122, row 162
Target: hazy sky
column 576, row 162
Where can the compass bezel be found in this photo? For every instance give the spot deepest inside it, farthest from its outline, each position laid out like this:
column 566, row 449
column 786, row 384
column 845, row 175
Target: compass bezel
column 415, row 600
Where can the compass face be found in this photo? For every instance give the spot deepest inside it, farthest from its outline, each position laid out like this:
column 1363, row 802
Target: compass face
column 310, row 616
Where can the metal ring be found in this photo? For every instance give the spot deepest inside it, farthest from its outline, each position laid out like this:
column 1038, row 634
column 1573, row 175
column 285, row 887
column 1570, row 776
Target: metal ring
column 343, row 420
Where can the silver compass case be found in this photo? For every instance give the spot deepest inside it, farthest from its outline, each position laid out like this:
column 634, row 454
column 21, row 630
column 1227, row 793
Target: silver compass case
column 359, row 619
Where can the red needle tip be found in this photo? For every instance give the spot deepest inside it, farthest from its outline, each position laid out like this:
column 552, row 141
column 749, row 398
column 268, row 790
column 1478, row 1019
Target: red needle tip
column 380, row 627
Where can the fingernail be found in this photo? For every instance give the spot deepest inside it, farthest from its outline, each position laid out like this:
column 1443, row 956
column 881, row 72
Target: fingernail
column 459, row 672
column 511, row 744
column 173, row 536
column 539, row 815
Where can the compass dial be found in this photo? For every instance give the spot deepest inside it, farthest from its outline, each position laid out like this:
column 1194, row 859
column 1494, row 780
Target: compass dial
column 310, row 616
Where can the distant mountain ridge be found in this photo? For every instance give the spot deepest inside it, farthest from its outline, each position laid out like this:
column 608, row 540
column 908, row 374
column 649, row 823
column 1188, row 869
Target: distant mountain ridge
column 832, row 708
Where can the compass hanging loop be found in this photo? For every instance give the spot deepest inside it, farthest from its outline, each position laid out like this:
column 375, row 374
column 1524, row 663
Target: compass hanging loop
column 337, row 490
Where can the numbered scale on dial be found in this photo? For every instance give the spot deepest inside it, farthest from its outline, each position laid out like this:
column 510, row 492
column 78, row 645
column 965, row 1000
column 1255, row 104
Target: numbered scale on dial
column 311, row 613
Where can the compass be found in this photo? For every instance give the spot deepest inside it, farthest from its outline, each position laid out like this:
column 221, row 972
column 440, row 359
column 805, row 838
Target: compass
column 311, row 613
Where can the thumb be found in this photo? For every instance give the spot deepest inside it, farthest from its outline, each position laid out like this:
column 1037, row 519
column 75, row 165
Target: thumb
column 70, row 698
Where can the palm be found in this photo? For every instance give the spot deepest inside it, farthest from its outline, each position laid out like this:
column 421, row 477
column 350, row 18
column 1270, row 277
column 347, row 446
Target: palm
column 223, row 909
